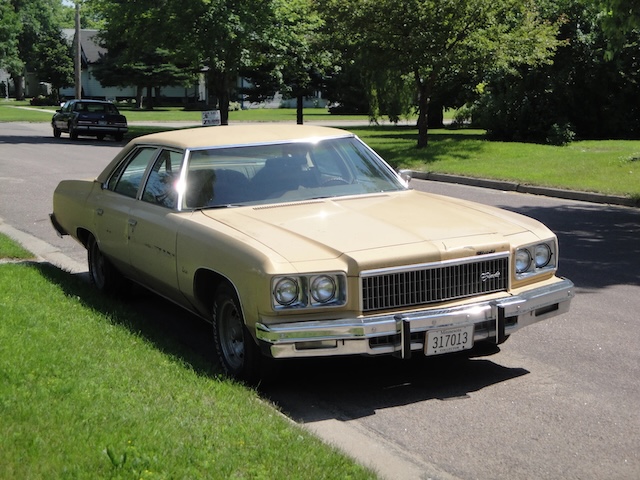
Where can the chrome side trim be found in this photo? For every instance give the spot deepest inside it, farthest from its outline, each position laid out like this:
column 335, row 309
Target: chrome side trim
column 350, row 336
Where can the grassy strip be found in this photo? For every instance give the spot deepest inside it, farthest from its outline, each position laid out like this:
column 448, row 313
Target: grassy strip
column 89, row 389
column 12, row 251
column 9, row 112
column 605, row 166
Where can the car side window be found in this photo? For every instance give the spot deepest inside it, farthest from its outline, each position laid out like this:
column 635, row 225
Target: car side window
column 127, row 178
column 161, row 185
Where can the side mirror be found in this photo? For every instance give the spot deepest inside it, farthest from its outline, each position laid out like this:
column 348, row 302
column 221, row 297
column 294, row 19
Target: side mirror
column 406, row 175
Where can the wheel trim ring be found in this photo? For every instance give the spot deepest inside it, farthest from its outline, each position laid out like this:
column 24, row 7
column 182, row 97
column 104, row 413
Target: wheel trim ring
column 231, row 336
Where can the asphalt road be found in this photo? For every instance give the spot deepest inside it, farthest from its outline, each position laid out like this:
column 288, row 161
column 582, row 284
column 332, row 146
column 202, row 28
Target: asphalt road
column 560, row 400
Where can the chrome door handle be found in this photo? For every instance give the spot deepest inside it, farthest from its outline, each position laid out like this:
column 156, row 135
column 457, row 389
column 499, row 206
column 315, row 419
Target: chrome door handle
column 99, row 211
column 133, row 222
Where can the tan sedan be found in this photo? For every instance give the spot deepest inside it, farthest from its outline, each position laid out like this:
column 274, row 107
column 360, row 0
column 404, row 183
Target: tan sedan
column 299, row 241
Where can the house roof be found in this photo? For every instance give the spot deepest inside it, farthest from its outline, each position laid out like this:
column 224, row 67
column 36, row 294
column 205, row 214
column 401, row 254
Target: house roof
column 91, row 51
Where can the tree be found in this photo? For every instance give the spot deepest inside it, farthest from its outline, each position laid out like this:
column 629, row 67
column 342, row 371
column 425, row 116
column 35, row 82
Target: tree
column 139, row 37
column 221, row 37
column 583, row 93
column 40, row 21
column 54, row 62
column 621, row 17
column 291, row 61
column 10, row 29
column 431, row 40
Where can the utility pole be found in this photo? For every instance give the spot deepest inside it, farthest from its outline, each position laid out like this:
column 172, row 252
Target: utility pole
column 78, row 60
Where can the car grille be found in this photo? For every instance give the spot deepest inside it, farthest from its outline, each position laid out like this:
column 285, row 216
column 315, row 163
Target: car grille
column 432, row 283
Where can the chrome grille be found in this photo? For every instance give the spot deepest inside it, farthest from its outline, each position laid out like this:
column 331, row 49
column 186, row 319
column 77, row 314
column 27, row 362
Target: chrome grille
column 432, row 283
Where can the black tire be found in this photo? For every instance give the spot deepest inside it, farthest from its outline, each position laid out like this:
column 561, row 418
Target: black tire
column 56, row 132
column 100, row 137
column 102, row 273
column 118, row 137
column 236, row 350
column 73, row 133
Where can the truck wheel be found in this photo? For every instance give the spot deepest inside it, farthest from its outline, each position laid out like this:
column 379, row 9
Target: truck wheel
column 73, row 133
column 236, row 350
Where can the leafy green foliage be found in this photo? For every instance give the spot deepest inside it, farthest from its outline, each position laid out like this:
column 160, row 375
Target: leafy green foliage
column 10, row 29
column 581, row 94
column 432, row 42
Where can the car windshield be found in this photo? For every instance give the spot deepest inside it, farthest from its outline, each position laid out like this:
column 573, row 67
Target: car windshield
column 289, row 172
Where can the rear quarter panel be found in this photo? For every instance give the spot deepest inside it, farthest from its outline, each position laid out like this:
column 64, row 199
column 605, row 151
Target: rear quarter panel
column 70, row 205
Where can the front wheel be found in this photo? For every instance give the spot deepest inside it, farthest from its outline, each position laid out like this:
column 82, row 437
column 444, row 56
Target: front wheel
column 236, row 350
column 73, row 133
column 56, row 132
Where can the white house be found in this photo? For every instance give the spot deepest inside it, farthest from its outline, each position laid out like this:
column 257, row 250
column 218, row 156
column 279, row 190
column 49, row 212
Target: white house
column 91, row 52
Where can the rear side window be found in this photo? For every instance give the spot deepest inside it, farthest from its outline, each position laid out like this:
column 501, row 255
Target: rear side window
column 127, row 178
column 163, row 178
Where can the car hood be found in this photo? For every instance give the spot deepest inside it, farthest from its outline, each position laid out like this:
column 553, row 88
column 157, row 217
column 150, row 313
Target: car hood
column 415, row 225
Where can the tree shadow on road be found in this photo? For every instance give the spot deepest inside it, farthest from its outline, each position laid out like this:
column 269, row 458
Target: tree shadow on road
column 599, row 245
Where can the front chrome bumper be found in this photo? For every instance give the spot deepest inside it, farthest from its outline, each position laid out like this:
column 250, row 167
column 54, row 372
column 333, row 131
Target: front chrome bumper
column 403, row 333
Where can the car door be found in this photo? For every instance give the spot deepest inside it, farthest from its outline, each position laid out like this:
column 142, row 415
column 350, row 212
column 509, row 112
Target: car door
column 154, row 223
column 114, row 204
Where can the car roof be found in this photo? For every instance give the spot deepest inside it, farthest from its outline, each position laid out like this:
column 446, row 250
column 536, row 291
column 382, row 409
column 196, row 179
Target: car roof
column 88, row 100
column 237, row 135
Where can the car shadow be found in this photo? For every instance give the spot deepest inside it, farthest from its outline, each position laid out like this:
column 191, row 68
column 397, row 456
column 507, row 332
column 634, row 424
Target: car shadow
column 51, row 140
column 357, row 386
column 311, row 390
column 169, row 328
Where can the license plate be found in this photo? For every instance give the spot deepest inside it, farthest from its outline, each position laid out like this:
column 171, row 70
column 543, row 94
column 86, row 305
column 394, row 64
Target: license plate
column 449, row 340
column 102, row 122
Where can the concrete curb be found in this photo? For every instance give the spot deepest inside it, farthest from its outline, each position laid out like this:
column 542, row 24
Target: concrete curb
column 531, row 189
column 43, row 251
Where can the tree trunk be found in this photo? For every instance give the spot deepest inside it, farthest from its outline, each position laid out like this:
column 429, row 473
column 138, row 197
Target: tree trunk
column 149, row 104
column 436, row 114
column 18, row 83
column 139, row 91
column 299, row 106
column 423, row 111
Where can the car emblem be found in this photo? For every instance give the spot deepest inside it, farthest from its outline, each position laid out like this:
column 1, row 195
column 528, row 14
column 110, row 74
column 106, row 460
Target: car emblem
column 488, row 275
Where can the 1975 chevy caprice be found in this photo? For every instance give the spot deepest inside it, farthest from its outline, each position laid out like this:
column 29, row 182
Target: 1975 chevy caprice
column 300, row 241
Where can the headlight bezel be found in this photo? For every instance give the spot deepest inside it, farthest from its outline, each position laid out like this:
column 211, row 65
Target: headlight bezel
column 539, row 257
column 314, row 290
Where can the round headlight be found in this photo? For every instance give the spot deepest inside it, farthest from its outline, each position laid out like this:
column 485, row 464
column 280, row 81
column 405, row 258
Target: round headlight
column 286, row 291
column 542, row 255
column 323, row 289
column 523, row 260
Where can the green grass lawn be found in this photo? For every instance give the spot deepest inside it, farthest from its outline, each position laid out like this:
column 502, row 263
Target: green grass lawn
column 90, row 389
column 603, row 166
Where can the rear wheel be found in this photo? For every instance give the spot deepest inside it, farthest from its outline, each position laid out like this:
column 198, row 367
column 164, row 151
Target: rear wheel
column 236, row 350
column 102, row 273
